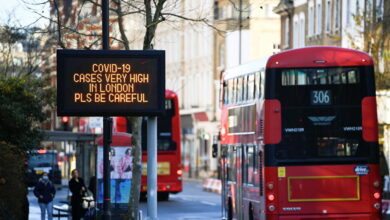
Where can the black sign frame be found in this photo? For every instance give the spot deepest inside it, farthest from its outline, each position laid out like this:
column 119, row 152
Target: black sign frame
column 72, row 109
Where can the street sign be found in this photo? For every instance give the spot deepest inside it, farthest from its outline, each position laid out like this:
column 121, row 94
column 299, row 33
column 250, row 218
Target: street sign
column 110, row 82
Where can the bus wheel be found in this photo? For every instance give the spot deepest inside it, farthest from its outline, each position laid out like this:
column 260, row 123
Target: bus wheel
column 163, row 196
column 251, row 212
column 230, row 210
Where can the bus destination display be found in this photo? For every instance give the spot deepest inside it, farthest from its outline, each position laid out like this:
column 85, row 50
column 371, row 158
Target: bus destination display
column 110, row 83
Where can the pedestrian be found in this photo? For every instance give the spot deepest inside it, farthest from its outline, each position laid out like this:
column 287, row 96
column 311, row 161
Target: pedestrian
column 77, row 187
column 45, row 192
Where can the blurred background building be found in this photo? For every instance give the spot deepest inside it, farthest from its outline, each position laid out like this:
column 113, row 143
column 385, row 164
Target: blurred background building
column 355, row 24
column 202, row 38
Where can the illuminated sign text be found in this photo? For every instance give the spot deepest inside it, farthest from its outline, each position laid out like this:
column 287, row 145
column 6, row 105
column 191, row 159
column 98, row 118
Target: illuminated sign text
column 110, row 82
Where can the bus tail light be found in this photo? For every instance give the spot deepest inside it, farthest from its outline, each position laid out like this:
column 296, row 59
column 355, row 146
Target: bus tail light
column 179, row 172
column 376, row 184
column 271, row 208
column 272, row 121
column 369, row 119
column 377, row 205
column 377, row 195
column 271, row 197
column 42, row 151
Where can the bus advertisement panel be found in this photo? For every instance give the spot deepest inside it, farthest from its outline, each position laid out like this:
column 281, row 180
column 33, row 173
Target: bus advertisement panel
column 169, row 170
column 121, row 167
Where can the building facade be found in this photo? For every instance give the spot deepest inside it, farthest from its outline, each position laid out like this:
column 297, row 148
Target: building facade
column 355, row 24
column 201, row 39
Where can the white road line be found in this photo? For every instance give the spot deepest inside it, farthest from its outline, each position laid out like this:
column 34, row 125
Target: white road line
column 208, row 203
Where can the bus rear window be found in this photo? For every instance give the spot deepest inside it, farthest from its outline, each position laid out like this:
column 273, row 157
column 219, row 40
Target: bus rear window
column 164, row 129
column 323, row 76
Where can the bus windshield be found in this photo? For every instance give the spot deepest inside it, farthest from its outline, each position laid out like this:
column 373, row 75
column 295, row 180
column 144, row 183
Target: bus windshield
column 321, row 113
column 164, row 129
column 42, row 160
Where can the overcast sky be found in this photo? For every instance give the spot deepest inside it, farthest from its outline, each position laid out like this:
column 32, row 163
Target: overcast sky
column 22, row 13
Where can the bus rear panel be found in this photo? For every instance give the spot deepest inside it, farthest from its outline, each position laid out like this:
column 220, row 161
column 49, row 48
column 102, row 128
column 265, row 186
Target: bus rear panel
column 326, row 161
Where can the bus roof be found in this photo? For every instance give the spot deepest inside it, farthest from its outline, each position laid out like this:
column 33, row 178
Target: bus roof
column 169, row 94
column 42, row 151
column 244, row 69
column 319, row 57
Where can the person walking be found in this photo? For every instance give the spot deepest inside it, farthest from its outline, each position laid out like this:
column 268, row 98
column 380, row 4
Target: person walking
column 77, row 187
column 45, row 192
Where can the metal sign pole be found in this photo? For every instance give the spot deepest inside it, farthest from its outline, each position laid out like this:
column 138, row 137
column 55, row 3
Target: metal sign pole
column 107, row 125
column 152, row 168
column 107, row 139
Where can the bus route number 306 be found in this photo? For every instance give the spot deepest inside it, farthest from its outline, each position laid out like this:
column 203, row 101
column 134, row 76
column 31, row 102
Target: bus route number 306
column 321, row 97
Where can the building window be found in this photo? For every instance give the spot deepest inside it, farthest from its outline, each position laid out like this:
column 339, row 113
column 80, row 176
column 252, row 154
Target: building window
column 222, row 55
column 337, row 14
column 301, row 36
column 327, row 16
column 348, row 14
column 286, row 32
column 296, row 32
column 216, row 10
column 319, row 18
column 311, row 19
column 379, row 10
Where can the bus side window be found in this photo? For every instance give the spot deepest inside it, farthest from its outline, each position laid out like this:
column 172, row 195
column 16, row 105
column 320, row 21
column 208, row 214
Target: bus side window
column 225, row 92
column 245, row 88
column 251, row 86
column 239, row 89
column 251, row 171
column 255, row 167
column 257, row 85
column 230, row 91
column 231, row 165
column 245, row 166
column 262, row 82
column 234, row 90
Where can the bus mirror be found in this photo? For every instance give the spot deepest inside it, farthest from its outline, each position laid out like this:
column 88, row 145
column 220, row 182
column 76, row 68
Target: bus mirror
column 215, row 150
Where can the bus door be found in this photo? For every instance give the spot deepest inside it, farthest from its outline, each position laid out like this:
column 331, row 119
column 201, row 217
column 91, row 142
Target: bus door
column 224, row 178
column 238, row 153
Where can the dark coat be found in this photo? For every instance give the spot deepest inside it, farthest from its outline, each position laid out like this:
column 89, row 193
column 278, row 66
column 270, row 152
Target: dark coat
column 46, row 190
column 76, row 189
column 77, row 193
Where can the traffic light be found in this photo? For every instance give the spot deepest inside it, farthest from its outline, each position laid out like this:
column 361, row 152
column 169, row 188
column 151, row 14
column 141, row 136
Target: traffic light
column 65, row 123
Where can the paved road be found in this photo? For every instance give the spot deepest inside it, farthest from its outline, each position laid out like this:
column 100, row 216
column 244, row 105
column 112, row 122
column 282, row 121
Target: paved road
column 191, row 204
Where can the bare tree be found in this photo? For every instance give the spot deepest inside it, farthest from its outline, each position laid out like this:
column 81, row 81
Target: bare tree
column 20, row 51
column 372, row 26
column 78, row 27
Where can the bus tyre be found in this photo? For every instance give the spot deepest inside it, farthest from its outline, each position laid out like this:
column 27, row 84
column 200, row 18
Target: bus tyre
column 251, row 212
column 162, row 196
column 230, row 210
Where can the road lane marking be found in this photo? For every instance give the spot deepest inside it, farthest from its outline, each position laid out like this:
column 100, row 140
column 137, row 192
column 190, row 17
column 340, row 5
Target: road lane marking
column 208, row 203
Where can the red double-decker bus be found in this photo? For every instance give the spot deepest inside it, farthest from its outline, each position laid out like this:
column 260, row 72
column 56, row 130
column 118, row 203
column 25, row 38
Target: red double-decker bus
column 169, row 165
column 299, row 137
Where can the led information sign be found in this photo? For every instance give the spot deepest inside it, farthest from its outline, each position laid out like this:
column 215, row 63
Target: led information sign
column 110, row 82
